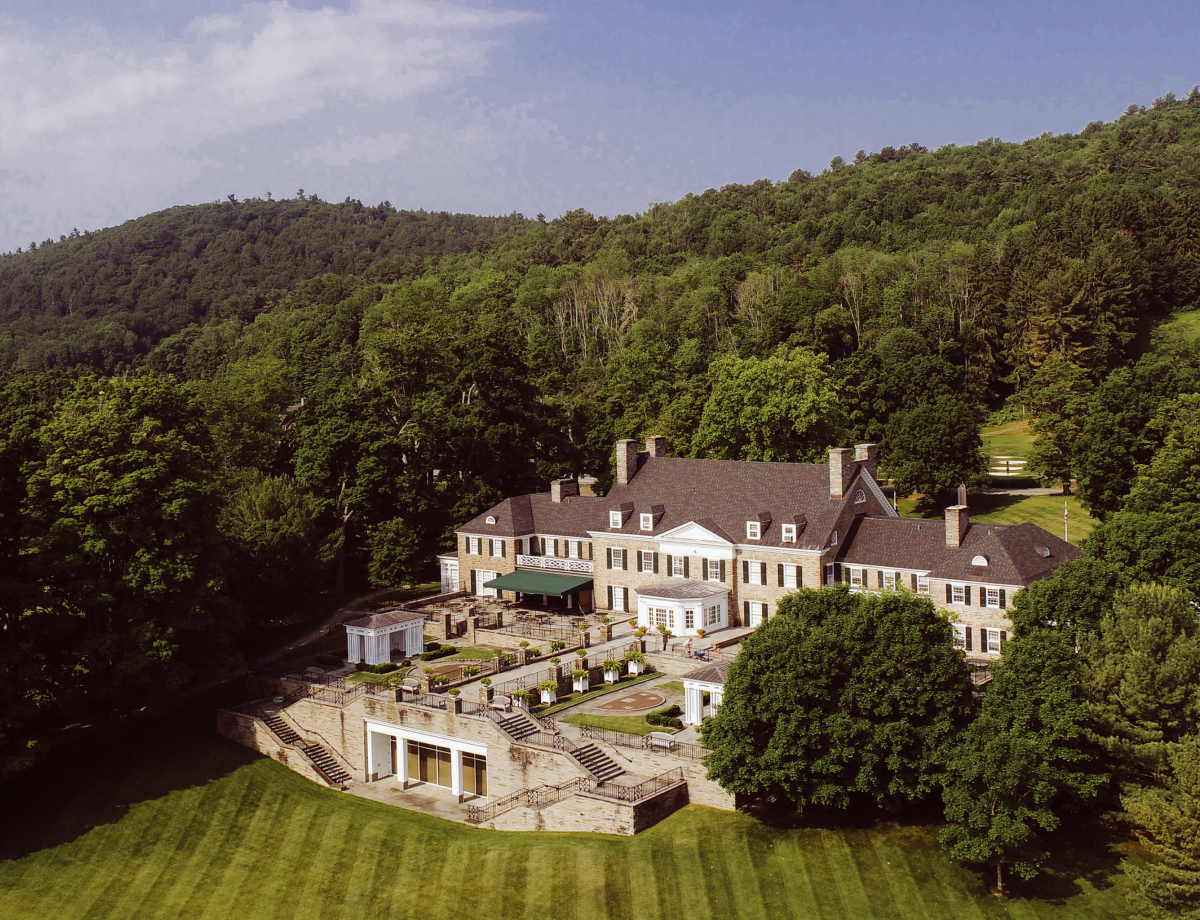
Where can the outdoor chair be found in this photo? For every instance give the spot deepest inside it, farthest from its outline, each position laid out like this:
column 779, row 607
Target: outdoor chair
column 661, row 741
column 503, row 703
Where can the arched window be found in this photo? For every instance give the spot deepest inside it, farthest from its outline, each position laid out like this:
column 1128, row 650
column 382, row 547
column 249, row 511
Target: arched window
column 860, row 496
column 979, row 560
column 490, row 519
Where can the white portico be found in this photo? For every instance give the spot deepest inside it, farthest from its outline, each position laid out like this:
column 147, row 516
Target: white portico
column 683, row 606
column 711, row 680
column 380, row 637
column 415, row 756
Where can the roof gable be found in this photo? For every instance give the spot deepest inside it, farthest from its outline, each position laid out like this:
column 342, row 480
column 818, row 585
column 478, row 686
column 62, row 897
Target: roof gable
column 695, row 532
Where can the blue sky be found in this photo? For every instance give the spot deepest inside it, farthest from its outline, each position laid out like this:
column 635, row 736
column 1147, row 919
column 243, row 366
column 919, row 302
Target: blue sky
column 110, row 112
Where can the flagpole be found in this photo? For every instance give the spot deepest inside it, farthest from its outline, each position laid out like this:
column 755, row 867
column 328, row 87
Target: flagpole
column 1066, row 516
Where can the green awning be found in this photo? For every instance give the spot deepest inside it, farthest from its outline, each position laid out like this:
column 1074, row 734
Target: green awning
column 529, row 582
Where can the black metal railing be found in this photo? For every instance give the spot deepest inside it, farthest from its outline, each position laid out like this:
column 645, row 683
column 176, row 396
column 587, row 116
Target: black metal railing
column 633, row 794
column 543, row 631
column 681, row 749
column 538, row 797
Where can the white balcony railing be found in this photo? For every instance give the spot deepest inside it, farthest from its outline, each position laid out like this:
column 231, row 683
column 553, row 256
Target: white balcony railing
column 555, row 564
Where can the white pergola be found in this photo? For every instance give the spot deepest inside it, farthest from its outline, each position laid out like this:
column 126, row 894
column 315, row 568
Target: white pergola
column 711, row 680
column 376, row 637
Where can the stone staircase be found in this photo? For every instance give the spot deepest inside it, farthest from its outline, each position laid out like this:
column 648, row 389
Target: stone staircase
column 324, row 762
column 320, row 757
column 518, row 726
column 596, row 762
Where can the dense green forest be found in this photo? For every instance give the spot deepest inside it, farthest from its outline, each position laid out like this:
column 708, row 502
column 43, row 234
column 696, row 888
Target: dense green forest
column 213, row 414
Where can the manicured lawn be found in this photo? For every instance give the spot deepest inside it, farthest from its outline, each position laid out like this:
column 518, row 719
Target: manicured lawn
column 572, row 698
column 1185, row 324
column 1044, row 510
column 187, row 824
column 1010, row 441
column 635, row 725
column 675, row 686
column 366, row 677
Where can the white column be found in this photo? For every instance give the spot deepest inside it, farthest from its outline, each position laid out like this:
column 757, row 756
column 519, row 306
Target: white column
column 402, row 764
column 715, row 698
column 693, row 705
column 456, row 777
column 370, row 755
column 351, row 639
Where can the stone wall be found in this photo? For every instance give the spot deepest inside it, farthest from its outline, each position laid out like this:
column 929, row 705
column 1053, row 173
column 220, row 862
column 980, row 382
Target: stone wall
column 254, row 734
column 592, row 814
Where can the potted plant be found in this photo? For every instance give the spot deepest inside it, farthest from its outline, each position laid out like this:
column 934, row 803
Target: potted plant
column 535, row 652
column 612, row 670
column 520, row 699
column 555, row 660
column 633, row 621
column 487, row 682
column 640, row 632
column 700, row 633
column 579, row 680
column 636, row 662
column 470, row 671
column 557, row 646
column 604, row 621
column 549, row 691
column 524, row 643
column 581, row 652
column 454, row 691
column 441, row 680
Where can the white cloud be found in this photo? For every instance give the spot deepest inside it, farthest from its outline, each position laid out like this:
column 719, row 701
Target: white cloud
column 84, row 115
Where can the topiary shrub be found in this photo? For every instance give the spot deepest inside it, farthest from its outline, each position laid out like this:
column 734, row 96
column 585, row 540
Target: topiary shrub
column 557, row 646
column 668, row 717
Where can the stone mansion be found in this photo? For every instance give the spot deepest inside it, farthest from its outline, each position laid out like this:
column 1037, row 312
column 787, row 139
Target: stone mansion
column 693, row 545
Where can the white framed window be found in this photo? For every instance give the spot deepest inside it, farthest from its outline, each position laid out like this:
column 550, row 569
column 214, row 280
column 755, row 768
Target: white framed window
column 714, row 570
column 677, row 566
column 993, row 598
column 618, row 597
column 473, row 547
column 645, row 560
column 490, row 519
column 789, row 533
column 495, row 548
column 960, row 635
column 758, row 613
column 958, row 594
column 791, row 576
column 647, row 521
column 753, row 530
column 689, row 619
column 922, row 584
column 889, row 581
column 481, row 579
column 661, row 616
column 614, row 519
column 833, row 542
column 753, row 572
column 993, row 641
column 712, row 615
column 859, row 497
column 572, row 549
column 858, row 578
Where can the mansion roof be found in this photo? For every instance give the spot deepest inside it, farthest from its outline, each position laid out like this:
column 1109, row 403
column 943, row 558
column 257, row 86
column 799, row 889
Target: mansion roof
column 385, row 619
column 682, row 589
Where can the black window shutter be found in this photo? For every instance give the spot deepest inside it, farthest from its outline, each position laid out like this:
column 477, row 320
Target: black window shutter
column 781, row 574
column 474, row 590
column 608, row 558
column 556, row 547
column 491, row 547
column 914, row 582
column 670, row 565
column 762, row 575
column 703, row 569
column 967, row 595
column 685, row 567
column 721, row 573
column 625, row 598
column 625, row 559
column 1003, row 638
column 745, row 572
column 589, row 550
column 982, row 639
column 880, row 577
column 503, row 548
column 610, row 606
column 799, row 576
column 654, row 563
column 968, row 631
column 746, row 608
column 949, row 595
column 1003, row 600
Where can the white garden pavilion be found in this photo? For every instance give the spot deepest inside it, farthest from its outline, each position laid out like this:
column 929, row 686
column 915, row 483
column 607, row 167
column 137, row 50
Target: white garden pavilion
column 709, row 679
column 379, row 637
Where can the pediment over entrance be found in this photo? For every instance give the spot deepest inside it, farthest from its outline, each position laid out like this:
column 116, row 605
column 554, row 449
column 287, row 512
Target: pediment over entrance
column 694, row 532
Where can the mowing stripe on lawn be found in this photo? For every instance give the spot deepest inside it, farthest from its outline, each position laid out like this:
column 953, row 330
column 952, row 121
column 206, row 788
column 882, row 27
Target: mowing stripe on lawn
column 855, row 901
column 617, row 893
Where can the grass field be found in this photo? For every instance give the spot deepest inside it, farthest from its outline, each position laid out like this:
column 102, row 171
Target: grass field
column 187, row 824
column 635, row 725
column 1044, row 510
column 1010, row 441
column 1185, row 325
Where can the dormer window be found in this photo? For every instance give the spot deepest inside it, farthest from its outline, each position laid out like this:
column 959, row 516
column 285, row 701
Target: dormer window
column 490, row 519
column 614, row 519
column 647, row 521
column 753, row 530
column 979, row 560
column 789, row 533
column 859, row 497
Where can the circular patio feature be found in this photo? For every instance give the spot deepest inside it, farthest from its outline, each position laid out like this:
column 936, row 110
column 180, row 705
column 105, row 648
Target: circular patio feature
column 632, row 702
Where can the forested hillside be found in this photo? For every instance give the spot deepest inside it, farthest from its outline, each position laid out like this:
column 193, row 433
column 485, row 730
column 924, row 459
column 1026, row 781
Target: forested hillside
column 215, row 413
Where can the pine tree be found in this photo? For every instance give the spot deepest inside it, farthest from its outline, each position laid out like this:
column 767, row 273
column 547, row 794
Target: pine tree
column 1169, row 887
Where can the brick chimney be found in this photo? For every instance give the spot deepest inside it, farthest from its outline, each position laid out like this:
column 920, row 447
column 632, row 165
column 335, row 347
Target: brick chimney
column 656, row 446
column 841, row 468
column 627, row 461
column 563, row 488
column 868, row 456
column 957, row 522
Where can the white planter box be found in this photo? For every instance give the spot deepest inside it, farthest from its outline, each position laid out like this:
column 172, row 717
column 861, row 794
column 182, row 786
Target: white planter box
column 522, row 704
column 549, row 696
column 580, row 685
column 612, row 676
column 636, row 667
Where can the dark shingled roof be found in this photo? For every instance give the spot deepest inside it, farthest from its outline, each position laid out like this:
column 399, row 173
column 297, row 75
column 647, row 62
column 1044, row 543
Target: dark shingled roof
column 682, row 589
column 711, row 673
column 1015, row 553
column 386, row 618
column 574, row 516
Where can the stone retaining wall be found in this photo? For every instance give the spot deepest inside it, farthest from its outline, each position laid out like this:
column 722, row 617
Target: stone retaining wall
column 593, row 814
column 247, row 730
